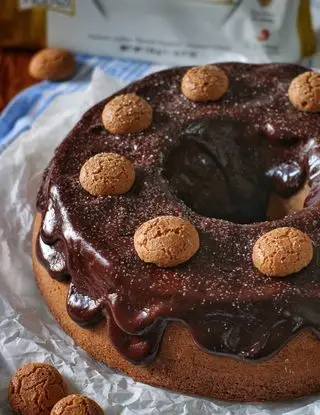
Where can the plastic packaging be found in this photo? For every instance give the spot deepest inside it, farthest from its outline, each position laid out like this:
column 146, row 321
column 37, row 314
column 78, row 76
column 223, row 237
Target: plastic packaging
column 165, row 31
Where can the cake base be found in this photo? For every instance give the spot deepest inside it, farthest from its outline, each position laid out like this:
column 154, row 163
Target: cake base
column 182, row 366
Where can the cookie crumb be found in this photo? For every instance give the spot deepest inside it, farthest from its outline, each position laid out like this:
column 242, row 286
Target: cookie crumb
column 282, row 251
column 35, row 388
column 204, row 83
column 166, row 241
column 107, row 174
column 304, row 92
column 76, row 405
column 127, row 113
column 52, row 65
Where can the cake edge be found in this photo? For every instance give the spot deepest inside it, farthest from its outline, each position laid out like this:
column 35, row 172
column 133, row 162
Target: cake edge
column 182, row 366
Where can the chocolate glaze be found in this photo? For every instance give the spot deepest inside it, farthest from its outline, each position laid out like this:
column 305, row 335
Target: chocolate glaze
column 211, row 163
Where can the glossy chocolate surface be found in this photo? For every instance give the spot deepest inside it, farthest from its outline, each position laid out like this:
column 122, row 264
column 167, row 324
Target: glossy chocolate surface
column 216, row 165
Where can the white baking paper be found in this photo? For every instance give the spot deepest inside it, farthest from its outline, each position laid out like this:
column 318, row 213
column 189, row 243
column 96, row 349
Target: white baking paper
column 28, row 333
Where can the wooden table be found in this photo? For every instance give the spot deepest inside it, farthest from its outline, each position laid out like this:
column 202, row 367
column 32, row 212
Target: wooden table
column 13, row 74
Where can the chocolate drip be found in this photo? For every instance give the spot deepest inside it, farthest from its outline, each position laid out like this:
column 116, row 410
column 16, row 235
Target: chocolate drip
column 203, row 162
column 82, row 308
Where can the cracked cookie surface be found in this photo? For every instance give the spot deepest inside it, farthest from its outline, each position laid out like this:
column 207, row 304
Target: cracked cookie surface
column 204, row 83
column 282, row 251
column 127, row 113
column 76, row 405
column 304, row 92
column 35, row 388
column 107, row 174
column 166, row 241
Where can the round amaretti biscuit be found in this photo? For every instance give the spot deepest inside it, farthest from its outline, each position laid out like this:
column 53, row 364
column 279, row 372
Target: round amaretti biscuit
column 282, row 251
column 35, row 388
column 76, row 405
column 107, row 174
column 127, row 113
column 52, row 65
column 166, row 241
column 304, row 92
column 204, row 83
column 220, row 377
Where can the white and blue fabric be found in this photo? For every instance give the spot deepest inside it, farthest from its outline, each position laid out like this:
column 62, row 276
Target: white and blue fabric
column 22, row 111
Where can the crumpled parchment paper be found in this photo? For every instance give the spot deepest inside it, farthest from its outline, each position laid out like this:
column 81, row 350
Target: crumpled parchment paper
column 28, row 332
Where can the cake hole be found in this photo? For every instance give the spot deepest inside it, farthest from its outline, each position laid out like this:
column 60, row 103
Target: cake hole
column 218, row 169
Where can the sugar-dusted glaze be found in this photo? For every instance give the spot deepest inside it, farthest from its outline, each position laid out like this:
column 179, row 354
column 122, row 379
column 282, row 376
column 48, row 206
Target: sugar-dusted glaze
column 215, row 164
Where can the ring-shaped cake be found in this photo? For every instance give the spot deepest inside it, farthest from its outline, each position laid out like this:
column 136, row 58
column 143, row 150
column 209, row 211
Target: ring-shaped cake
column 213, row 325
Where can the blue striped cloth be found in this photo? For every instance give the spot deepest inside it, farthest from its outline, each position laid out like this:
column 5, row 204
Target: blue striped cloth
column 22, row 111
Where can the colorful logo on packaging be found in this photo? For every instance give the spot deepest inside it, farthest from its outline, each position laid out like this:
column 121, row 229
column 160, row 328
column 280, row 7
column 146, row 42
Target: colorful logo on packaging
column 60, row 6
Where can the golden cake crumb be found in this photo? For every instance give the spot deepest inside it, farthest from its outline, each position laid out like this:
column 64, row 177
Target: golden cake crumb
column 107, row 174
column 127, row 113
column 35, row 388
column 282, row 251
column 166, row 241
column 204, row 83
column 52, row 64
column 76, row 405
column 304, row 92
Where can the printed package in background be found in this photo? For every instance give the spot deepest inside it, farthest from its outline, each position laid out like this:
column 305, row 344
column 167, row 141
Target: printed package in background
column 184, row 31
